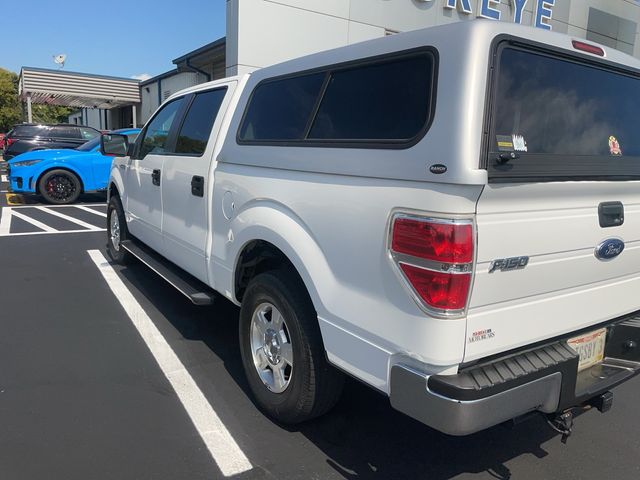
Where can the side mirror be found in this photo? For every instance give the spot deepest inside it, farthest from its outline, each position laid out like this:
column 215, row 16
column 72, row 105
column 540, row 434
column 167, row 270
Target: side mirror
column 114, row 145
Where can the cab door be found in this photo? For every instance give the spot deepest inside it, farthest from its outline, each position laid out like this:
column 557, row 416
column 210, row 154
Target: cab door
column 187, row 179
column 144, row 175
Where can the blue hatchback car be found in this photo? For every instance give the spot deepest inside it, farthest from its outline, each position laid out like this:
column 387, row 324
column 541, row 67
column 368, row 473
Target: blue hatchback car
column 60, row 176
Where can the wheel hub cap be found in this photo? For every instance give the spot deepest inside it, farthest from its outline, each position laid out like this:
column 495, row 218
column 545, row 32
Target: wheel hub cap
column 271, row 348
column 114, row 228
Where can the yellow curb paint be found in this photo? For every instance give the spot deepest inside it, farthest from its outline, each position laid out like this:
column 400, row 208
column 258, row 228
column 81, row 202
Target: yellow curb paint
column 13, row 199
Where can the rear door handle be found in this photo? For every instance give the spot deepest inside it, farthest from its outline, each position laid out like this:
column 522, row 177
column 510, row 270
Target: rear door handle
column 611, row 214
column 155, row 177
column 197, row 186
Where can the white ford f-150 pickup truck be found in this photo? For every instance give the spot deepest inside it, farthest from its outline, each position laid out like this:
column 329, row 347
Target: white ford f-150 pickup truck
column 451, row 216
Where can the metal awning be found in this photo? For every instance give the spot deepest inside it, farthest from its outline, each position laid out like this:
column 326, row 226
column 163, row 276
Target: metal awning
column 78, row 90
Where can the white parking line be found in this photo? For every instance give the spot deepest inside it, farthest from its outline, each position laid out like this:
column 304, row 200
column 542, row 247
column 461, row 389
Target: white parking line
column 223, row 448
column 91, row 210
column 86, row 225
column 57, row 232
column 5, row 221
column 3, row 178
column 34, row 222
column 67, row 206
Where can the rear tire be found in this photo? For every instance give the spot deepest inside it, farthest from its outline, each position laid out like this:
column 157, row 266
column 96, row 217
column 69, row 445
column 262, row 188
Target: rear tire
column 280, row 339
column 117, row 232
column 60, row 187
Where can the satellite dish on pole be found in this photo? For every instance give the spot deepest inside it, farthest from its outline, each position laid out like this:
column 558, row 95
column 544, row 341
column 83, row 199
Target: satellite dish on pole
column 60, row 59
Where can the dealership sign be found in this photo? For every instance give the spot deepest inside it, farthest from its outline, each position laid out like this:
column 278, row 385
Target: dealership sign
column 542, row 10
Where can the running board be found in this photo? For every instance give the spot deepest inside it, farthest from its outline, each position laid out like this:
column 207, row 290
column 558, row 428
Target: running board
column 189, row 286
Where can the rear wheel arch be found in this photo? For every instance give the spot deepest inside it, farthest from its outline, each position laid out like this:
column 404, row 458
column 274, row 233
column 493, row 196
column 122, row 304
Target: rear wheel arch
column 256, row 257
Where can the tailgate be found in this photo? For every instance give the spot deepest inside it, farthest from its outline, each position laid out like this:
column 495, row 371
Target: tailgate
column 564, row 285
column 563, row 162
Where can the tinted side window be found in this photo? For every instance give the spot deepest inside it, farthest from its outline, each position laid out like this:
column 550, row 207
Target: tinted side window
column 157, row 132
column 27, row 131
column 64, row 132
column 196, row 128
column 280, row 110
column 388, row 101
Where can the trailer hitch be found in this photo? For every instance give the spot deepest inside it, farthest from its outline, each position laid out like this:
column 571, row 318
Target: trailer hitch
column 562, row 423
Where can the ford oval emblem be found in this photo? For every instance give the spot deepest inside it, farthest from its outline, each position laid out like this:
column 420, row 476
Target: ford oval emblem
column 610, row 248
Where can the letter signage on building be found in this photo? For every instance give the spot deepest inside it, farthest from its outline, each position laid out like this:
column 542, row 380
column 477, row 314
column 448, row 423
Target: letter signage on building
column 542, row 10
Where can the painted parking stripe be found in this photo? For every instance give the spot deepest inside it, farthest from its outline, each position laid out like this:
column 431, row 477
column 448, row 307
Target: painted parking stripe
column 3, row 178
column 68, row 206
column 91, row 210
column 223, row 448
column 34, row 222
column 57, row 232
column 55, row 213
column 5, row 221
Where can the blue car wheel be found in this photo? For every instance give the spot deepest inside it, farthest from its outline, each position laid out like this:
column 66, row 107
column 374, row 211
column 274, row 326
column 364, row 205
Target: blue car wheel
column 60, row 187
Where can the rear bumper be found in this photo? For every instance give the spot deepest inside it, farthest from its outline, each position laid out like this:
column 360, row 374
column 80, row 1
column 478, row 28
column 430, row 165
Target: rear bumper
column 543, row 379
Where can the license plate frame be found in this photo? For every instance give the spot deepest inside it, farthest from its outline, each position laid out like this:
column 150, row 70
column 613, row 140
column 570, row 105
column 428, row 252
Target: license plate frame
column 590, row 347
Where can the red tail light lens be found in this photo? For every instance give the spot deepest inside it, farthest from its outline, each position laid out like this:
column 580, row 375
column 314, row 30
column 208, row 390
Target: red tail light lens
column 444, row 291
column 442, row 242
column 435, row 257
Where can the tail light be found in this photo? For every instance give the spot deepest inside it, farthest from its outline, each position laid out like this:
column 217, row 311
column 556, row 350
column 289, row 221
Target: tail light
column 435, row 259
column 587, row 47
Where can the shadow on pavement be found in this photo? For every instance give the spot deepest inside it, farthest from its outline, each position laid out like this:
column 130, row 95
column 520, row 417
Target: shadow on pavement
column 363, row 437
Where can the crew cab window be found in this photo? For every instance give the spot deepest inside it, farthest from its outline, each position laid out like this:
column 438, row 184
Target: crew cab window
column 374, row 102
column 156, row 134
column 561, row 117
column 196, row 128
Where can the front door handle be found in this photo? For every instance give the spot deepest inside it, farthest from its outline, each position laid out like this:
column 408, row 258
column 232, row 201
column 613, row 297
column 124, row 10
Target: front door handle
column 155, row 177
column 197, row 186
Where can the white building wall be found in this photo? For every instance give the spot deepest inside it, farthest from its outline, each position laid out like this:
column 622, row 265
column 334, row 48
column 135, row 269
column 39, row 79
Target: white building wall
column 264, row 32
column 90, row 117
column 168, row 86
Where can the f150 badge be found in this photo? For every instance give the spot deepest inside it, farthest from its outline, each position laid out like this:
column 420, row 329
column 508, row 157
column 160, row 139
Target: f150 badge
column 506, row 264
column 610, row 248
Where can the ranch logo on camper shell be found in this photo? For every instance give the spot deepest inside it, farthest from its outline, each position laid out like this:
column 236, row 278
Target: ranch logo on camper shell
column 438, row 168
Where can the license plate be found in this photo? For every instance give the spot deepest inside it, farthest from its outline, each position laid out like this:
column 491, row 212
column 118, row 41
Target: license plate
column 590, row 348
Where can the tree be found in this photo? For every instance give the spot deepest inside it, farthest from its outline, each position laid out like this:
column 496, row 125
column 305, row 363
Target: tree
column 50, row 113
column 11, row 111
column 10, row 108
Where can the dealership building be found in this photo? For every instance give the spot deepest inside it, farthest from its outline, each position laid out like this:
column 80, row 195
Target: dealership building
column 265, row 32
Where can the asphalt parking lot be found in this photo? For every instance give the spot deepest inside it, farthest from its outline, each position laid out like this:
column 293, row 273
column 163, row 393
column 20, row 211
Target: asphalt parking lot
column 84, row 393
